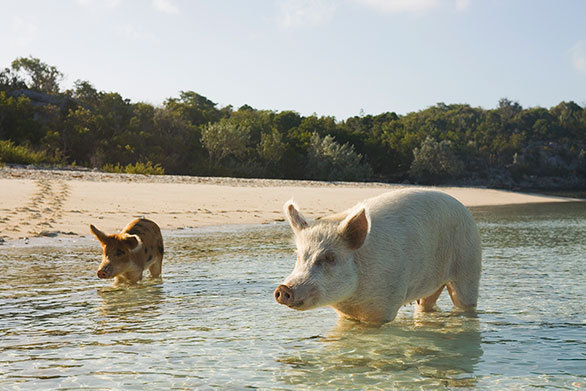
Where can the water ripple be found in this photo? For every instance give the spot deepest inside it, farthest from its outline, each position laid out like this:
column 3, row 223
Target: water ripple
column 211, row 321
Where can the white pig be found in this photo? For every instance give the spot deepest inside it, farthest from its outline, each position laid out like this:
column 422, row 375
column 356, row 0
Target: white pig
column 400, row 247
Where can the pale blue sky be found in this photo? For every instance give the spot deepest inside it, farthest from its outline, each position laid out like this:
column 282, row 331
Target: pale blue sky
column 331, row 57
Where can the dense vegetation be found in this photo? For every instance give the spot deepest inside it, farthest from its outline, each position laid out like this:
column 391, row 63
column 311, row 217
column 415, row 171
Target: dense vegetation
column 509, row 146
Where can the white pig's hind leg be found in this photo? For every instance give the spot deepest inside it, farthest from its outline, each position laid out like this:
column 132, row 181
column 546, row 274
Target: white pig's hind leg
column 463, row 289
column 464, row 294
column 426, row 304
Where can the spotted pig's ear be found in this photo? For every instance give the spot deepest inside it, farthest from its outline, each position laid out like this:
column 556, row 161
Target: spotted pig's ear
column 133, row 242
column 98, row 234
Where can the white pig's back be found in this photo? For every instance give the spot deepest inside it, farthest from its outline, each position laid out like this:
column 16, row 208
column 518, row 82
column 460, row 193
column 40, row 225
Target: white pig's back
column 420, row 236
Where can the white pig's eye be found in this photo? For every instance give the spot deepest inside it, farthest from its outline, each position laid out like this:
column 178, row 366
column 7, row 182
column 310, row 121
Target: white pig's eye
column 327, row 258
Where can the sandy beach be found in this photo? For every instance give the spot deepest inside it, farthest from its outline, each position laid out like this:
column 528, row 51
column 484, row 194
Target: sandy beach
column 64, row 202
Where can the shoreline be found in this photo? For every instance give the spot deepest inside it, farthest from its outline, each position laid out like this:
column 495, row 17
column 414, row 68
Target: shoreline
column 88, row 239
column 62, row 203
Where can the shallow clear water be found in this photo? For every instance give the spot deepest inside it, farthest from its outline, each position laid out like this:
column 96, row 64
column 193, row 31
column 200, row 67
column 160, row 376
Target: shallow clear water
column 212, row 322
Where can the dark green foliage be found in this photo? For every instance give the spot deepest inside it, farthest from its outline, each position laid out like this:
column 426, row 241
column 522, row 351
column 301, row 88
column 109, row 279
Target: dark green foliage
column 224, row 138
column 10, row 80
column 138, row 168
column 271, row 147
column 17, row 120
column 435, row 162
column 43, row 77
column 21, row 154
column 195, row 108
column 506, row 146
column 334, row 162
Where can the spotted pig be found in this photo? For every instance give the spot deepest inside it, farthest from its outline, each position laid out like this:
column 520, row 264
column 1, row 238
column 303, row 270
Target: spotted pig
column 126, row 255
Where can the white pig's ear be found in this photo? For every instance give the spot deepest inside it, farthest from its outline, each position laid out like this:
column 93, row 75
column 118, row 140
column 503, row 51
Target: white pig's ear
column 354, row 228
column 296, row 219
column 98, row 234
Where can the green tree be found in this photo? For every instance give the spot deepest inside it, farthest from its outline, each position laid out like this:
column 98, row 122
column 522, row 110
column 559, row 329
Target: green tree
column 571, row 120
column 332, row 161
column 85, row 93
column 434, row 162
column 223, row 139
column 17, row 120
column 10, row 80
column 271, row 147
column 508, row 109
column 194, row 107
column 43, row 77
column 258, row 121
column 287, row 120
column 175, row 142
column 78, row 136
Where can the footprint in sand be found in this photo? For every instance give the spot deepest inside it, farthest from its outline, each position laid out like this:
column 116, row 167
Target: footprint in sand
column 43, row 209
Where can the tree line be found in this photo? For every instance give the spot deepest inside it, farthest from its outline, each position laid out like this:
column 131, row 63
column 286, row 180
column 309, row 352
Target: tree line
column 508, row 146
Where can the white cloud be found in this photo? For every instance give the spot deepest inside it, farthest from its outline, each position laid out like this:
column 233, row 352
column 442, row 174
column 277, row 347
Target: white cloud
column 411, row 6
column 578, row 53
column 104, row 3
column 134, row 33
column 131, row 32
column 399, row 6
column 303, row 13
column 462, row 5
column 166, row 6
column 300, row 13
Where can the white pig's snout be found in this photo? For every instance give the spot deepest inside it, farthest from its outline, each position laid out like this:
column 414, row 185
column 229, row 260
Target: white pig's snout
column 296, row 297
column 284, row 295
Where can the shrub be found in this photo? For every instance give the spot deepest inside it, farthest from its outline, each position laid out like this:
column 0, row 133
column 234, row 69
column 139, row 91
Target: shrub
column 271, row 147
column 433, row 162
column 328, row 160
column 137, row 168
column 20, row 154
column 224, row 138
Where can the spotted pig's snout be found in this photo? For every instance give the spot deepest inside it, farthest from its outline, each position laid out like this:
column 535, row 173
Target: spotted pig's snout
column 105, row 271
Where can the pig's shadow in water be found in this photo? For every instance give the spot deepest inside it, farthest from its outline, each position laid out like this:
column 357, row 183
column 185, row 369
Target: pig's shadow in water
column 131, row 303
column 440, row 349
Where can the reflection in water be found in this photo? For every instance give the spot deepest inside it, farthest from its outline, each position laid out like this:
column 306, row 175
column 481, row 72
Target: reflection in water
column 439, row 349
column 212, row 322
column 131, row 304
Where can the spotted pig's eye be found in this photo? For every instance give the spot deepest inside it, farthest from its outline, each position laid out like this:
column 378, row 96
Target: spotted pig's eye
column 119, row 252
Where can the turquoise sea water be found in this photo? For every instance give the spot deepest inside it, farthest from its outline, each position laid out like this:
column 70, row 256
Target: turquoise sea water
column 212, row 322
